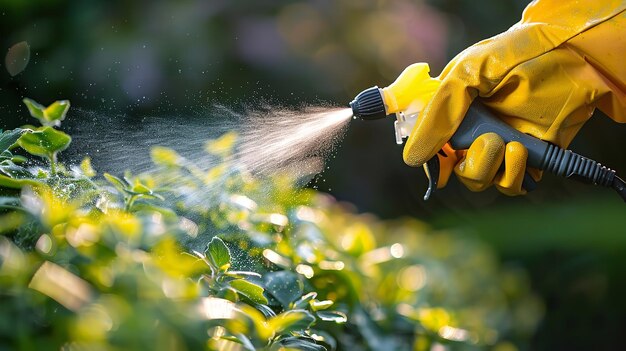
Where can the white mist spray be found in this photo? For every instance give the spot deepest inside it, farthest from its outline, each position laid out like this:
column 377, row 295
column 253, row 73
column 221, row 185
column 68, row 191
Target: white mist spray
column 270, row 141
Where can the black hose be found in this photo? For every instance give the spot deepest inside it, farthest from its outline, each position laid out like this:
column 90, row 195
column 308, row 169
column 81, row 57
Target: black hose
column 620, row 186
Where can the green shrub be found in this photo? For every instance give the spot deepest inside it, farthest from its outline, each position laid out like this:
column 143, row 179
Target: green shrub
column 185, row 258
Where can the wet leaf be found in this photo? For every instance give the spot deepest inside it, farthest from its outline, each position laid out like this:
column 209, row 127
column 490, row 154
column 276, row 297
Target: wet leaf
column 320, row 305
column 8, row 138
column 56, row 112
column 36, row 110
column 165, row 156
column 9, row 201
column 19, row 159
column 242, row 274
column 117, row 183
column 250, row 290
column 139, row 188
column 11, row 183
column 332, row 316
column 304, row 301
column 290, row 321
column 284, row 286
column 86, row 168
column 44, row 142
column 48, row 116
column 17, row 58
column 300, row 343
column 223, row 145
column 219, row 254
column 14, row 171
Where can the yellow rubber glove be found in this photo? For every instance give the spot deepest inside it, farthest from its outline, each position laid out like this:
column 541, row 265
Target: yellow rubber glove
column 544, row 76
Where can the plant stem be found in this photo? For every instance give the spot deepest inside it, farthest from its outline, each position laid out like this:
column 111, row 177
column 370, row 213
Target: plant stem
column 53, row 163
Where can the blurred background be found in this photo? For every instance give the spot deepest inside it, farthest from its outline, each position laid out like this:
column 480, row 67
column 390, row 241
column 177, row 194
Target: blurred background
column 122, row 63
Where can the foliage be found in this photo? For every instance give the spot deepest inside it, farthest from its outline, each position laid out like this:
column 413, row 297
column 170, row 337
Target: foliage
column 187, row 258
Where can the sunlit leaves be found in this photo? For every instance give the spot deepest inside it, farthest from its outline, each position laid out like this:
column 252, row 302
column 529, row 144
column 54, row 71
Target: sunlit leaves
column 285, row 286
column 50, row 116
column 171, row 259
column 45, row 142
column 332, row 316
column 219, row 254
column 286, row 269
column 132, row 189
column 293, row 320
column 249, row 290
column 86, row 168
column 165, row 156
column 223, row 145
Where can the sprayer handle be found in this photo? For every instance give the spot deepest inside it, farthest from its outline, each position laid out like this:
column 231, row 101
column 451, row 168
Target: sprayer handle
column 542, row 155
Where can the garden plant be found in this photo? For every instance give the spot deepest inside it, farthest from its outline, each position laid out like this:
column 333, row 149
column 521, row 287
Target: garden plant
column 186, row 258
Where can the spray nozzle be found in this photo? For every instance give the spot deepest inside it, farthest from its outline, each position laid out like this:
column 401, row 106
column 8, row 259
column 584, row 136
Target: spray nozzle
column 369, row 104
column 404, row 98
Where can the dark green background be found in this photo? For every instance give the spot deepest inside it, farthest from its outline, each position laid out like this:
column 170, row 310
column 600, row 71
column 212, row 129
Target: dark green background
column 126, row 62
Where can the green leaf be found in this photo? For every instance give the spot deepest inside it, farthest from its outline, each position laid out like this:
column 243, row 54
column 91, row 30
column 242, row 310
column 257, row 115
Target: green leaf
column 284, row 286
column 14, row 171
column 219, row 254
column 9, row 137
column 223, row 145
column 290, row 321
column 139, row 188
column 117, row 183
column 265, row 309
column 16, row 183
column 45, row 142
column 86, row 168
column 165, row 156
column 35, row 109
column 19, row 159
column 240, row 339
column 332, row 316
column 317, row 305
column 56, row 112
column 9, row 201
column 48, row 116
column 300, row 343
column 243, row 274
column 303, row 302
column 250, row 290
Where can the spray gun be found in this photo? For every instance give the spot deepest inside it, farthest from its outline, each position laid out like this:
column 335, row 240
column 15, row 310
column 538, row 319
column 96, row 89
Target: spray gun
column 412, row 91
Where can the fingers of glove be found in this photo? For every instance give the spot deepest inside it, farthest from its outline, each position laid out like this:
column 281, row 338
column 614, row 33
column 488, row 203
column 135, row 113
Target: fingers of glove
column 478, row 168
column 438, row 121
column 509, row 181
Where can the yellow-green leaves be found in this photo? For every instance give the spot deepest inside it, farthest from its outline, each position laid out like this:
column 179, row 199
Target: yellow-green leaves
column 45, row 142
column 284, row 323
column 219, row 254
column 249, row 290
column 86, row 168
column 48, row 116
column 223, row 145
column 164, row 156
column 132, row 189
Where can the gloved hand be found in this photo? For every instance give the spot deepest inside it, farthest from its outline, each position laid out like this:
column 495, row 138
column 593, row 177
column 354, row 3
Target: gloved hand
column 544, row 76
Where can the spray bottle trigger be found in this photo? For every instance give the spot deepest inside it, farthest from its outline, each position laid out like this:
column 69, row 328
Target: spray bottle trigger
column 404, row 125
column 431, row 168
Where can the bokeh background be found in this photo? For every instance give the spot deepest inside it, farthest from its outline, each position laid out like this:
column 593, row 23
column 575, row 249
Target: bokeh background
column 129, row 61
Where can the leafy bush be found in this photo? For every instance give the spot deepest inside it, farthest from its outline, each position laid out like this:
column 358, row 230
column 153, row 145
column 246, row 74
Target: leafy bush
column 186, row 258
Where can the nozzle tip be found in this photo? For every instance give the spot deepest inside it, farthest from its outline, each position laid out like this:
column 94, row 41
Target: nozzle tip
column 369, row 104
